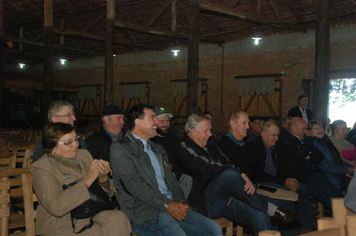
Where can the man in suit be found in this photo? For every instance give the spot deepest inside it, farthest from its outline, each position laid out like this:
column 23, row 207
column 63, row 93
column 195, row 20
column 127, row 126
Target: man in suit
column 301, row 109
column 296, row 158
column 264, row 170
column 148, row 192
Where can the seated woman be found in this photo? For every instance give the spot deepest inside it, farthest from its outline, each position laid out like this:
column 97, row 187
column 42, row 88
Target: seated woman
column 339, row 133
column 63, row 164
column 336, row 170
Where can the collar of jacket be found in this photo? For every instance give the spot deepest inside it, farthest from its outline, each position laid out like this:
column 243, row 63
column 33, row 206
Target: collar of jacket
column 138, row 142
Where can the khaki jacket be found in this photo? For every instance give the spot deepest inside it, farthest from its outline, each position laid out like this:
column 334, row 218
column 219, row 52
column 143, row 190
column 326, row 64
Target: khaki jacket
column 48, row 177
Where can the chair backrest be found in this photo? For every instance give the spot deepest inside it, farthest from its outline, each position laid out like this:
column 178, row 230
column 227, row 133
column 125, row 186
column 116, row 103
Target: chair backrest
column 9, row 161
column 4, row 206
column 29, row 199
column 22, row 153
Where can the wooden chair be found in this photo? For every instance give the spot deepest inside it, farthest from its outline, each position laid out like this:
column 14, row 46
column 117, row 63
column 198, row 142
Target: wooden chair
column 22, row 153
column 8, row 162
column 343, row 222
column 269, row 233
column 17, row 218
column 4, row 206
column 225, row 224
column 29, row 199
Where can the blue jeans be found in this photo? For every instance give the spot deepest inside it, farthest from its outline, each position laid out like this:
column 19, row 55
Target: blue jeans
column 322, row 189
column 194, row 225
column 243, row 208
column 303, row 205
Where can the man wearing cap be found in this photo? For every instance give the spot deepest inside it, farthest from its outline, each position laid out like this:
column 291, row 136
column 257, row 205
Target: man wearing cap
column 255, row 125
column 99, row 143
column 166, row 136
column 58, row 111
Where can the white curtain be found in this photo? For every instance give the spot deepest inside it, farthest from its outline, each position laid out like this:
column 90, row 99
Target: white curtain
column 256, row 85
column 134, row 91
column 88, row 92
column 180, row 88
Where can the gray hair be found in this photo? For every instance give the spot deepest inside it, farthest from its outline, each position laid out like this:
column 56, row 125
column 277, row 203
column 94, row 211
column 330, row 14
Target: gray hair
column 55, row 107
column 194, row 121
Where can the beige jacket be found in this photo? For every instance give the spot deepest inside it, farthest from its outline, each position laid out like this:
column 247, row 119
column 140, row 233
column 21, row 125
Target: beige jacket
column 48, row 177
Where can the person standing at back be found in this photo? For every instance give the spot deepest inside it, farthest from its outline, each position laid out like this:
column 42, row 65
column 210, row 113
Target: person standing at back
column 301, row 109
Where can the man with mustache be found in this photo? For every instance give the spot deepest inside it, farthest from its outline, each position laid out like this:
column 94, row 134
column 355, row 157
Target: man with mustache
column 99, row 143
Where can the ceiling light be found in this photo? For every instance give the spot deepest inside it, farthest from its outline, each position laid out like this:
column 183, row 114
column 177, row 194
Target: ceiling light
column 63, row 61
column 21, row 65
column 114, row 55
column 175, row 52
column 257, row 40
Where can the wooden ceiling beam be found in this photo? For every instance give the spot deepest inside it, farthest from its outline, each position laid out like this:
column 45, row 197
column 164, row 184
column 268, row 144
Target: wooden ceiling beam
column 95, row 21
column 158, row 13
column 102, row 38
column 274, row 9
column 213, row 7
column 143, row 29
column 20, row 10
column 57, row 46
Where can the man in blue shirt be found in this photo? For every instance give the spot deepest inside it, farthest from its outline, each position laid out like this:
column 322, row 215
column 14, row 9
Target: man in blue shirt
column 99, row 143
column 148, row 192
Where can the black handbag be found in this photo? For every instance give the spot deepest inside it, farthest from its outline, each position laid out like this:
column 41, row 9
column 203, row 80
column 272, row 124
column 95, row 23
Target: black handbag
column 100, row 201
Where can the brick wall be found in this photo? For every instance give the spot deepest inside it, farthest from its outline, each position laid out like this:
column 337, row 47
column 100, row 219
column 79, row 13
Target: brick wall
column 290, row 54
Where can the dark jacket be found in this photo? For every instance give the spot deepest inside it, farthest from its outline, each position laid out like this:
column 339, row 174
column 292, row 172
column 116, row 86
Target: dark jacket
column 291, row 157
column 239, row 155
column 259, row 155
column 203, row 165
column 134, row 178
column 295, row 112
column 168, row 142
column 98, row 144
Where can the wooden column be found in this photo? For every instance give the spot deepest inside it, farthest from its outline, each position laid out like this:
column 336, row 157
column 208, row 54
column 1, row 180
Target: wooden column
column 48, row 59
column 109, row 52
column 322, row 61
column 2, row 61
column 193, row 58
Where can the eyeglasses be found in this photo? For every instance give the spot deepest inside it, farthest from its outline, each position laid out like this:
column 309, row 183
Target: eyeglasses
column 71, row 142
column 68, row 115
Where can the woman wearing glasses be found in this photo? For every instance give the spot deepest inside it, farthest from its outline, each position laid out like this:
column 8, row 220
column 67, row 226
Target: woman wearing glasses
column 63, row 164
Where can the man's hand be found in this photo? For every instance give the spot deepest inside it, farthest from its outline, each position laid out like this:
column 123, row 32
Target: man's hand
column 178, row 210
column 249, row 187
column 291, row 184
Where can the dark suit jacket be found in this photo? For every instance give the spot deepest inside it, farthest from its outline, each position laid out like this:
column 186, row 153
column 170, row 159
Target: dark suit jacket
column 259, row 155
column 293, row 112
column 291, row 158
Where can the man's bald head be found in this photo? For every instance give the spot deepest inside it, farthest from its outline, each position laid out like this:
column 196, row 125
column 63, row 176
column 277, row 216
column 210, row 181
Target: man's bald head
column 298, row 127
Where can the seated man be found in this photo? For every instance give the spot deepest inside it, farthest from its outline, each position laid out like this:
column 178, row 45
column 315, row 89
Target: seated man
column 219, row 189
column 148, row 192
column 263, row 170
column 99, row 143
column 166, row 136
column 58, row 111
column 296, row 152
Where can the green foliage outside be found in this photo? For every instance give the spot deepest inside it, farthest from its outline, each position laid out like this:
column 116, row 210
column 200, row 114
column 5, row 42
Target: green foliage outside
column 342, row 91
